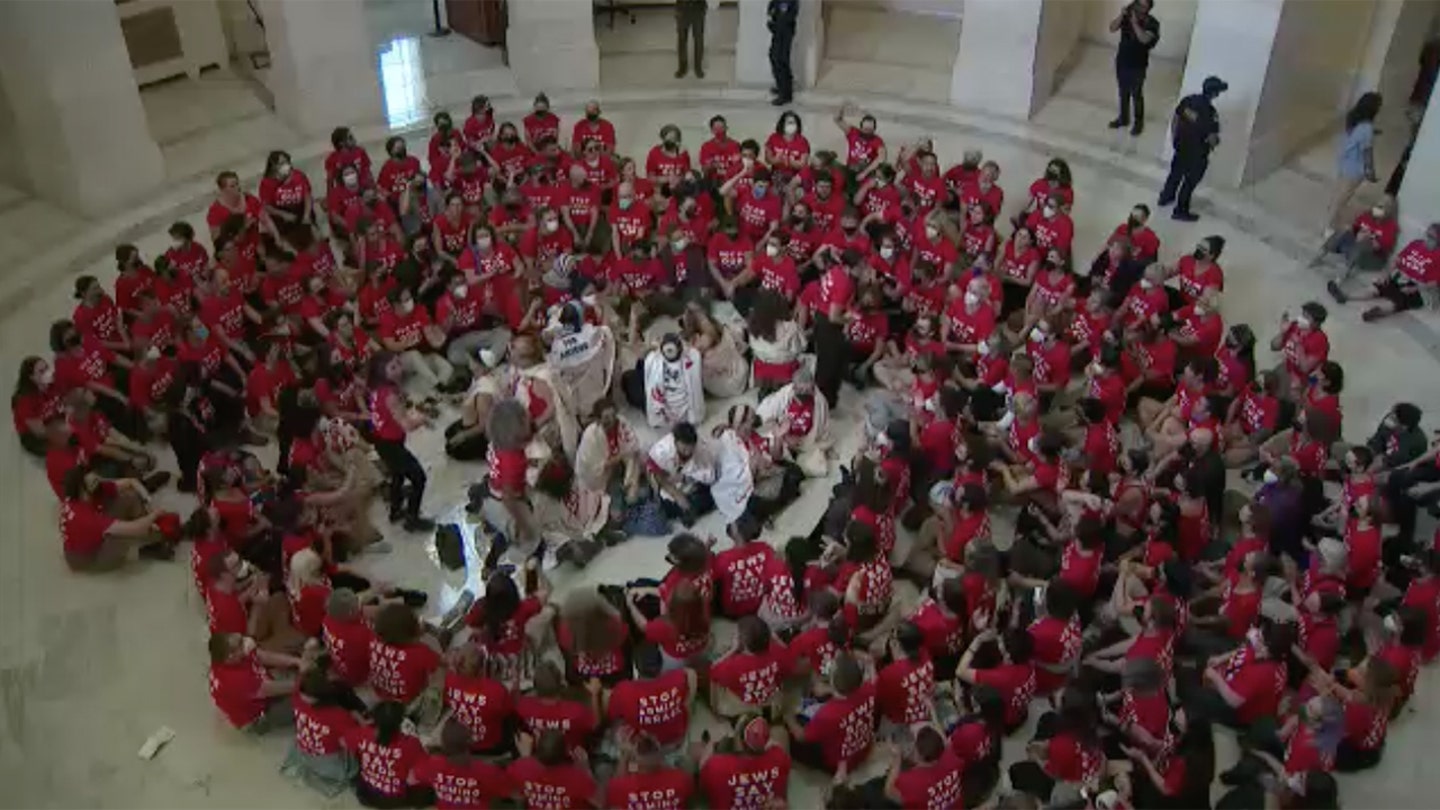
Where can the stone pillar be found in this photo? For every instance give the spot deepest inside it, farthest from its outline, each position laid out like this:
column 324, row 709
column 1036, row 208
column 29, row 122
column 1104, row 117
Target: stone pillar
column 322, row 64
column 551, row 45
column 1291, row 67
column 1419, row 193
column 74, row 108
column 1013, row 52
column 752, row 44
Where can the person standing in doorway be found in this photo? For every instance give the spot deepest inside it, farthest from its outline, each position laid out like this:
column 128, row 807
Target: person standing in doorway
column 1356, row 163
column 1139, row 31
column 784, row 16
column 1194, row 133
column 690, row 24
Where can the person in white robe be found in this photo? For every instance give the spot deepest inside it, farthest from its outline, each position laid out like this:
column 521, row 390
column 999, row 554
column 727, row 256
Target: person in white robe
column 724, row 370
column 545, row 395
column 583, row 356
column 609, row 456
column 682, row 468
column 674, row 389
column 800, row 420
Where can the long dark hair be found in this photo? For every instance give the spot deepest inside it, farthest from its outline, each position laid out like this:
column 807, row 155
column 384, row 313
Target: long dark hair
column 388, row 717
column 501, row 601
column 26, row 382
column 1364, row 110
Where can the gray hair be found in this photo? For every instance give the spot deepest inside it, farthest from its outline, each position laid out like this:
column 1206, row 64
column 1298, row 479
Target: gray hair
column 508, row 427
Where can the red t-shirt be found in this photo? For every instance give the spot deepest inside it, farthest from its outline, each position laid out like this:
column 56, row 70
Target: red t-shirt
column 555, row 787
column 1418, row 263
column 473, row 783
column 349, row 647
column 906, row 690
column 658, row 707
column 665, row 789
column 1261, row 684
column 739, row 573
column 933, row 786
column 944, row 632
column 319, row 730
column 738, row 782
column 1056, row 642
column 1016, row 684
column 481, row 705
column 845, row 727
column 572, row 718
column 235, row 690
column 385, row 769
column 83, row 527
column 400, row 673
column 754, row 678
column 1069, row 760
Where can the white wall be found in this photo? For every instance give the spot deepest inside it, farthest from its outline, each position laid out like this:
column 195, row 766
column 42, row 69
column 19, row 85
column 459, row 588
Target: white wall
column 1061, row 22
column 995, row 67
column 1318, row 49
column 1398, row 30
column 1177, row 21
column 934, row 8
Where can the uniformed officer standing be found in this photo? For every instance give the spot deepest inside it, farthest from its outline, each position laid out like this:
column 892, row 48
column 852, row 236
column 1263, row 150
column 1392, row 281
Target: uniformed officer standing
column 784, row 15
column 1194, row 132
column 690, row 23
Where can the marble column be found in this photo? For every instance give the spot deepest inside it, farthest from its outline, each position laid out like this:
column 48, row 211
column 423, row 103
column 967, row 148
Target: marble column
column 1291, row 67
column 551, row 45
column 74, row 109
column 752, row 44
column 1419, row 195
column 322, row 64
column 1012, row 53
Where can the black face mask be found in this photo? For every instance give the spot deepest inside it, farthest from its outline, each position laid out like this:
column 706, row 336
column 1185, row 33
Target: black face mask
column 1200, row 254
column 72, row 341
column 1052, row 174
column 398, row 154
column 1133, row 223
column 509, row 138
column 592, row 117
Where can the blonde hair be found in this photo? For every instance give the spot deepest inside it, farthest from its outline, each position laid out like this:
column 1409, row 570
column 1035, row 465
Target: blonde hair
column 305, row 568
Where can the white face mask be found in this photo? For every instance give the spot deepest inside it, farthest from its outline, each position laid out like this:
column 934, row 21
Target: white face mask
column 483, row 243
column 178, row 244
column 152, row 353
column 1033, row 445
column 791, row 127
column 887, row 253
column 971, row 299
column 747, row 161
column 460, row 292
column 283, row 169
column 773, row 251
column 678, row 245
column 552, row 225
column 1303, row 322
column 1096, row 370
column 47, row 377
column 1377, row 212
column 1037, row 335
column 247, row 646
column 590, row 299
column 1146, row 284
column 1050, row 211
column 983, row 350
column 351, row 181
column 405, row 308
column 1254, row 638
column 1200, row 310
column 1270, row 477
column 932, row 232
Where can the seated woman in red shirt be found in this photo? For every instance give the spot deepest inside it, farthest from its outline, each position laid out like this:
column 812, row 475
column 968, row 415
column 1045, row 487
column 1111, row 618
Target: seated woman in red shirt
column 402, row 661
column 243, row 686
column 387, row 756
column 82, row 362
column 35, row 401
column 92, row 539
column 749, row 678
column 1005, row 665
column 554, row 705
column 592, row 634
column 1252, row 419
column 549, row 774
column 682, row 630
column 1070, row 755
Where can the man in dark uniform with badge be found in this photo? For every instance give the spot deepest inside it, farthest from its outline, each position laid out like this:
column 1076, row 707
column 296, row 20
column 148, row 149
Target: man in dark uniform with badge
column 1194, row 132
column 784, row 15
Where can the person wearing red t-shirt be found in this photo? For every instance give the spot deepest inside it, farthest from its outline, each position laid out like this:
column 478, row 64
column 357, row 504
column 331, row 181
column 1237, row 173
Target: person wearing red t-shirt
column 458, row 777
column 347, row 637
column 1072, row 755
column 387, row 756
column 1413, row 275
column 553, row 706
column 643, row 780
column 719, row 156
column 324, row 715
column 1051, row 225
column 1056, row 634
column 905, row 688
column 1368, row 242
column 932, row 779
column 592, row 129
column 475, row 700
column 656, row 703
column 390, row 421
column 285, row 191
column 668, row 162
column 242, row 687
column 748, row 771
column 231, row 201
column 1005, row 667
column 550, row 774
column 864, row 150
column 757, row 210
column 1303, row 342
column 1248, row 684
column 841, row 730
column 91, row 539
column 749, row 677
column 401, row 662
column 739, row 574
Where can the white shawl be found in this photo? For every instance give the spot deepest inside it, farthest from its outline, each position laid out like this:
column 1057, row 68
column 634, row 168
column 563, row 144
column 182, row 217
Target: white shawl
column 660, row 411
column 594, row 452
column 700, row 469
column 774, row 412
column 734, row 482
column 785, row 348
column 726, row 372
column 561, row 402
column 585, row 361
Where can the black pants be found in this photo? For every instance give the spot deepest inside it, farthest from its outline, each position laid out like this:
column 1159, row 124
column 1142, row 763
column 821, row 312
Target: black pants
column 1349, row 759
column 1130, row 79
column 34, row 445
column 690, row 24
column 831, row 352
column 189, row 445
column 1186, row 172
column 781, row 38
column 404, row 468
column 1404, row 507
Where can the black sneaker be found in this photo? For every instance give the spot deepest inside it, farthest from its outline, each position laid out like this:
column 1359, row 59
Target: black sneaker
column 157, row 480
column 1185, row 216
column 699, row 74
column 1118, row 123
column 680, row 72
column 1164, row 200
column 415, row 523
column 1333, row 287
column 163, row 552
column 396, row 516
column 1137, row 129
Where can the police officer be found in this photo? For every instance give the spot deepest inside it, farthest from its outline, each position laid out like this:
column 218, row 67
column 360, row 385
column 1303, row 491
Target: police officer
column 1139, row 32
column 1194, row 132
column 690, row 23
column 784, row 15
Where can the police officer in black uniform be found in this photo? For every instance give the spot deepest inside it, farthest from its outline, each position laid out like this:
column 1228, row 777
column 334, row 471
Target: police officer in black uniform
column 784, row 16
column 1139, row 32
column 1194, row 132
column 690, row 24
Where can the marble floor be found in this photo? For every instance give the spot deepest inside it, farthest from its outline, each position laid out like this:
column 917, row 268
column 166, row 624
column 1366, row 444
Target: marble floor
column 90, row 666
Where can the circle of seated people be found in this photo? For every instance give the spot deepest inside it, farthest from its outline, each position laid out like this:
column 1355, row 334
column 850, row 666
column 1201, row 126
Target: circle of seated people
column 543, row 297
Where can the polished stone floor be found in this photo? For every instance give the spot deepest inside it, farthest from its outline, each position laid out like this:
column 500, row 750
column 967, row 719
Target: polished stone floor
column 90, row 666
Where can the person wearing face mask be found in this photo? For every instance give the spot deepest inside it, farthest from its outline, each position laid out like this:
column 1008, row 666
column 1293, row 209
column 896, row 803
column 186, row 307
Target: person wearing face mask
column 232, row 201
column 1052, row 292
column 508, row 154
column 1194, row 133
column 1304, row 344
column 1147, row 301
column 1198, row 327
column 674, row 391
column 630, row 219
column 285, row 191
column 541, row 124
column 189, row 258
column 1367, row 244
column 446, row 133
column 579, row 204
column 1051, row 225
column 864, row 149
column 1412, row 283
column 34, row 402
column 720, row 155
column 397, row 181
column 407, row 331
column 668, row 162
column 968, row 321
column 1197, row 273
column 479, row 127
column 346, row 153
column 1145, row 244
column 1398, row 440
column 799, row 420
column 728, row 256
column 458, row 313
column 682, row 261
column 761, row 209
column 592, row 129
column 865, row 329
column 977, row 242
column 787, row 151
column 1139, row 32
column 1055, row 182
column 924, row 186
column 342, row 194
column 541, row 245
